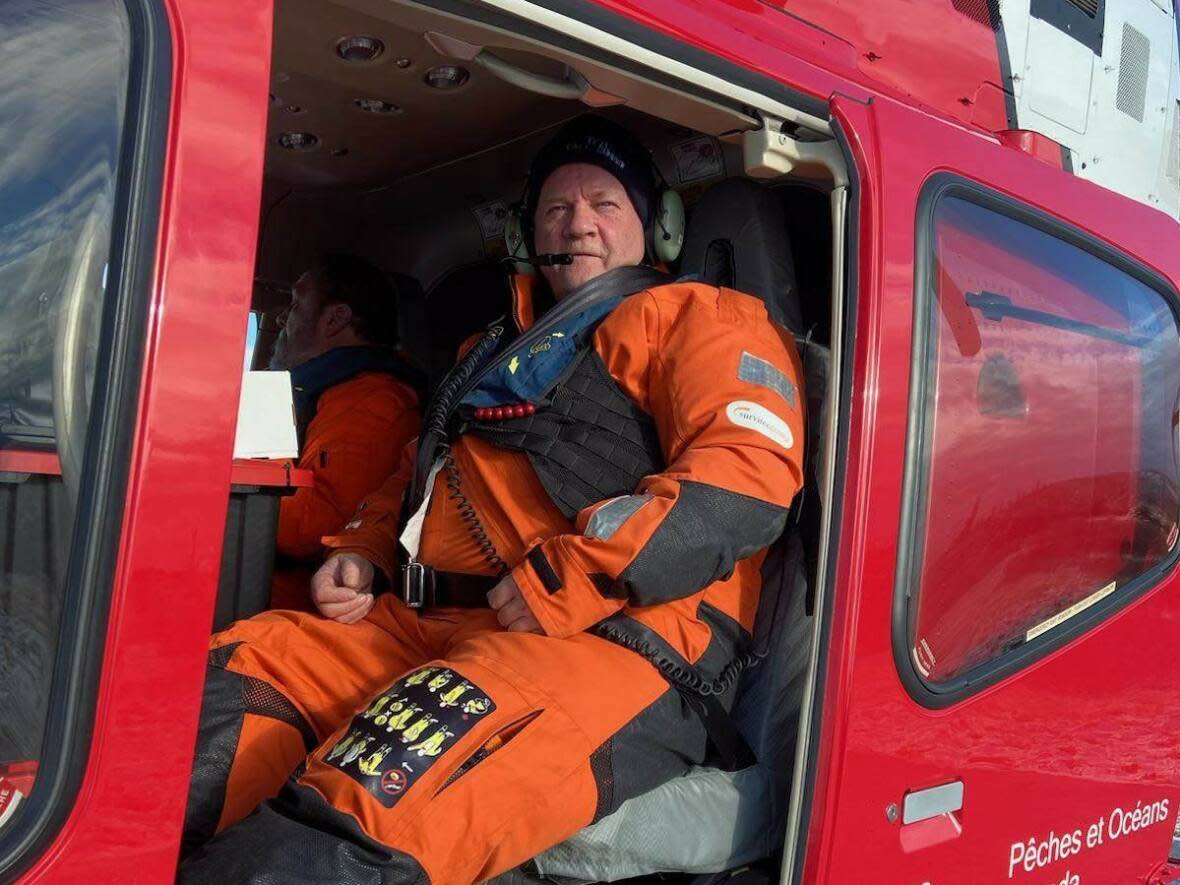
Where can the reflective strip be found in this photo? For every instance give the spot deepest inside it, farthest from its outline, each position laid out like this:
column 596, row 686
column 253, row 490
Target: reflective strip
column 607, row 518
column 764, row 374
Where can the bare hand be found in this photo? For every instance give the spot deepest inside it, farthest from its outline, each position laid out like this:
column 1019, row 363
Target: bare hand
column 343, row 588
column 511, row 610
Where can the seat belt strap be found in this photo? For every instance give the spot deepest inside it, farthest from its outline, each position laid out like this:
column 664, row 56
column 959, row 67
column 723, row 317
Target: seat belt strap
column 732, row 750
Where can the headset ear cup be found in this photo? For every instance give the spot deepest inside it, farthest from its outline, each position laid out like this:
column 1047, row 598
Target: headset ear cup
column 668, row 232
column 514, row 239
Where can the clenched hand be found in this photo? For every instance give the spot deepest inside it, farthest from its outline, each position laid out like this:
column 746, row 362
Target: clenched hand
column 343, row 588
column 511, row 609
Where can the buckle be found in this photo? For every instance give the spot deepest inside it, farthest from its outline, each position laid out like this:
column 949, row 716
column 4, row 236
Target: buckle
column 417, row 585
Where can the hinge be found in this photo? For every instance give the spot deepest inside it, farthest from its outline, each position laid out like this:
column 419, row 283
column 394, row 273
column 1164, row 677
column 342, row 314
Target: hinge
column 773, row 151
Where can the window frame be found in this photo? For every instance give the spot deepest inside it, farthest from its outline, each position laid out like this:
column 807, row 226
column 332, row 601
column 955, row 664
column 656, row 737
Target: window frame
column 914, row 501
column 99, row 510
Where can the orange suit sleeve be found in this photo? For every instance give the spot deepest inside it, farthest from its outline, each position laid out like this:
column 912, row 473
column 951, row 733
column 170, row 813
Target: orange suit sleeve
column 722, row 384
column 373, row 530
column 351, row 446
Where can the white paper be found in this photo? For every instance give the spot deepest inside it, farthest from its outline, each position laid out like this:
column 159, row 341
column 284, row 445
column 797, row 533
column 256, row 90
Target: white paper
column 266, row 417
column 697, row 159
column 491, row 218
column 411, row 538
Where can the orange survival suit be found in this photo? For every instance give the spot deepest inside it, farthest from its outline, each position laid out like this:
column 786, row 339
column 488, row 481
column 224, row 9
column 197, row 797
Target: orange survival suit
column 429, row 745
column 352, row 441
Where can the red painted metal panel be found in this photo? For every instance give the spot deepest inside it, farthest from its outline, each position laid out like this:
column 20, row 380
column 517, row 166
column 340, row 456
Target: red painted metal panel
column 1034, row 144
column 1081, row 736
column 125, row 825
column 757, row 36
column 940, row 55
column 943, row 56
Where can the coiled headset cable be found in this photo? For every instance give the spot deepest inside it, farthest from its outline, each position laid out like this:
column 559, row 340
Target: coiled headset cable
column 470, row 519
column 436, row 431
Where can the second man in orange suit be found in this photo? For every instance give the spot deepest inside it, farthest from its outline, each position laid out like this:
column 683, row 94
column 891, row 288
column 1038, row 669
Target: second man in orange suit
column 355, row 407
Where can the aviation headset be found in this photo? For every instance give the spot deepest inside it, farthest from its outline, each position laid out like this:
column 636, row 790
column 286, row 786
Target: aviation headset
column 600, row 142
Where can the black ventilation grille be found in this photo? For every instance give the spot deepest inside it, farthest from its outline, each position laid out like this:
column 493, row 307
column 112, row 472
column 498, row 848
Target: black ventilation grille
column 986, row 12
column 1090, row 7
column 1133, row 65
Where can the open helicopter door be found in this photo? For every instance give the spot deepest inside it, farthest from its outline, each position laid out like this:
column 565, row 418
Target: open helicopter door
column 997, row 691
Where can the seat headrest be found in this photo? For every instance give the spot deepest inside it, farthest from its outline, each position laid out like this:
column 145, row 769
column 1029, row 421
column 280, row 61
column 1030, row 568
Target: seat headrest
column 413, row 327
column 737, row 238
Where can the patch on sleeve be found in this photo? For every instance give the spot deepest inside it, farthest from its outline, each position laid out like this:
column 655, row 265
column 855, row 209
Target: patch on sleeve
column 406, row 729
column 764, row 374
column 761, row 420
column 607, row 519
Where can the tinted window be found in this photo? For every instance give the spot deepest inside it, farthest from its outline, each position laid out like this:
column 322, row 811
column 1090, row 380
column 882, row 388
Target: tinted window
column 63, row 81
column 1049, row 473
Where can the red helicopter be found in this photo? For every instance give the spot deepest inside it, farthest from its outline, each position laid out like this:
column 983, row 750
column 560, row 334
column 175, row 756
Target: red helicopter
column 965, row 210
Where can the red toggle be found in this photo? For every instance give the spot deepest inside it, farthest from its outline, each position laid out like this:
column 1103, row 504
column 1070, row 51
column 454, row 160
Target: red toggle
column 499, row 413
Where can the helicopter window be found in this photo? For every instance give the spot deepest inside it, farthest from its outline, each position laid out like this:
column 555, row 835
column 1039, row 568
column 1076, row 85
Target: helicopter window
column 1045, row 420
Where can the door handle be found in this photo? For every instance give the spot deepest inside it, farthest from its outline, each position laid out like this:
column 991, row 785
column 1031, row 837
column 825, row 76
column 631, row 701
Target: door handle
column 924, row 804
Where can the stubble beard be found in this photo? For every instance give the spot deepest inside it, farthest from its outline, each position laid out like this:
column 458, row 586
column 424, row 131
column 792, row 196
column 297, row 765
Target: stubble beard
column 278, row 359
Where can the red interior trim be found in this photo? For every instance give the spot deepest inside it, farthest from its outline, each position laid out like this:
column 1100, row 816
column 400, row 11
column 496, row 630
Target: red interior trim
column 17, row 461
column 245, row 472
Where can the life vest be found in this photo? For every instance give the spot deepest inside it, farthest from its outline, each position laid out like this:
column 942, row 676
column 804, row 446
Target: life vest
column 548, row 394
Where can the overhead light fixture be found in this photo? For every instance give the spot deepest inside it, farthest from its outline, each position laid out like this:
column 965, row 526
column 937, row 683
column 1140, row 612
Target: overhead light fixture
column 298, row 141
column 446, row 77
column 340, row 152
column 293, row 109
column 403, row 62
column 359, row 47
column 376, row 106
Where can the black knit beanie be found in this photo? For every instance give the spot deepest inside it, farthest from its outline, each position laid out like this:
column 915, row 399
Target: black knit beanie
column 599, row 142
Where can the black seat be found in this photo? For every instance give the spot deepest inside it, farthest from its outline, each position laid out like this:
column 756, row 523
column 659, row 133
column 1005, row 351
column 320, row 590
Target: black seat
column 461, row 304
column 737, row 238
column 413, row 324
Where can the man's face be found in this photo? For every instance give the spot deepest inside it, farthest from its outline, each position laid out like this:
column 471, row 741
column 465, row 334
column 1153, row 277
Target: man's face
column 301, row 336
column 585, row 211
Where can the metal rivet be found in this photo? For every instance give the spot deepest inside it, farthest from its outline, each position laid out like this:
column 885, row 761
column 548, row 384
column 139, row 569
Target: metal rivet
column 891, row 812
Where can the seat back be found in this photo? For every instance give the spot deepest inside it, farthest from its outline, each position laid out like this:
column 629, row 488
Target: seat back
column 413, row 325
column 462, row 303
column 737, row 238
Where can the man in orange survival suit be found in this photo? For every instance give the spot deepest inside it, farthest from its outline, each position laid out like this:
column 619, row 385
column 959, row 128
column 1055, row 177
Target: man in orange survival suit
column 354, row 409
column 616, row 472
